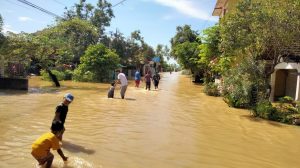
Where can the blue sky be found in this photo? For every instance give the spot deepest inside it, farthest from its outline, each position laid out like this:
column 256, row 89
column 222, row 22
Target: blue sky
column 156, row 19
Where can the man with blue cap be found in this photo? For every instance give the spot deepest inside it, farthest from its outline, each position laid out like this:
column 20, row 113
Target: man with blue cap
column 62, row 111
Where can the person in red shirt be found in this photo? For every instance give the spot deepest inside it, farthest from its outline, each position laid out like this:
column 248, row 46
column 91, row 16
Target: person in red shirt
column 148, row 78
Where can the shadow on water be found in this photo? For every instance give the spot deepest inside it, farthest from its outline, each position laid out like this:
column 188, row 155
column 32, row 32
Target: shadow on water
column 74, row 148
column 44, row 90
column 8, row 92
column 132, row 99
column 256, row 119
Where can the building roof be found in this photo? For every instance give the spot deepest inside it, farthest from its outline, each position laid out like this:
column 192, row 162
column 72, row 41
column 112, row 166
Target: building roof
column 219, row 7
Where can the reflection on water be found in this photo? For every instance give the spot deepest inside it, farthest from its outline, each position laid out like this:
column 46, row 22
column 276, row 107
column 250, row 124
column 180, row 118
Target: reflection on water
column 174, row 127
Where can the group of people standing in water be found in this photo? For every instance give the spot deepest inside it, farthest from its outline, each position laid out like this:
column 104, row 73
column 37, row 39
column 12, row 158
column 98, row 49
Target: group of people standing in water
column 50, row 140
column 155, row 78
column 122, row 80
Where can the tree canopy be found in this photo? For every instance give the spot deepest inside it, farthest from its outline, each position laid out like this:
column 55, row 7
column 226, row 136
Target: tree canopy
column 184, row 48
column 96, row 64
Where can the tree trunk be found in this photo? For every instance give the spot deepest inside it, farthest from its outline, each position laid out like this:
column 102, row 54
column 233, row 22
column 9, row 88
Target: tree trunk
column 54, row 78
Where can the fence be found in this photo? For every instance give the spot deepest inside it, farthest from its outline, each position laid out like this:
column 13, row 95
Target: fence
column 13, row 70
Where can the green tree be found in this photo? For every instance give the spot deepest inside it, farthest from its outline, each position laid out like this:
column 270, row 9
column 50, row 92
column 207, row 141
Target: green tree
column 96, row 64
column 2, row 37
column 258, row 30
column 63, row 43
column 17, row 48
column 210, row 56
column 77, row 34
column 184, row 47
column 137, row 50
column 261, row 29
column 119, row 44
column 100, row 16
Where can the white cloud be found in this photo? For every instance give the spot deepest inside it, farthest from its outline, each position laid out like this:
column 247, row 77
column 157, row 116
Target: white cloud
column 8, row 28
column 188, row 7
column 25, row 19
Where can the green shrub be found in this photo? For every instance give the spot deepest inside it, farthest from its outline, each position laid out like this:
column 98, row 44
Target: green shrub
column 245, row 83
column 291, row 119
column 59, row 75
column 96, row 64
column 211, row 89
column 84, row 77
column 286, row 99
column 264, row 109
column 68, row 74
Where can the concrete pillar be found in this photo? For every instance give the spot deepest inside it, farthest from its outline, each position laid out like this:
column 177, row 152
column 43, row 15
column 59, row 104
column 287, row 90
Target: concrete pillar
column 272, row 83
column 297, row 87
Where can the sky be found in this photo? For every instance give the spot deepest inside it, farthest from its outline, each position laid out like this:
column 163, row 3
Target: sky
column 156, row 19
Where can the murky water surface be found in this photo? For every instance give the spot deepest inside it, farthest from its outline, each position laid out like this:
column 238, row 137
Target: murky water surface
column 177, row 126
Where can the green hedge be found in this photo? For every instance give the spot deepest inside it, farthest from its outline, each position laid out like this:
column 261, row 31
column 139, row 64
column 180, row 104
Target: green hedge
column 60, row 75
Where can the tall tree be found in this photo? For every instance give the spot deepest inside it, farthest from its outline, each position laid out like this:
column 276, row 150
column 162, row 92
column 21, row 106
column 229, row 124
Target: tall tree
column 184, row 47
column 210, row 56
column 2, row 37
column 258, row 30
column 100, row 16
column 261, row 29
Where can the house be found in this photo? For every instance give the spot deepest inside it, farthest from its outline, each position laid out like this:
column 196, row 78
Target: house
column 285, row 80
column 223, row 6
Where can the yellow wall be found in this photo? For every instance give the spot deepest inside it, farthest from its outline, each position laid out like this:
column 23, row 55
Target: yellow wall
column 231, row 4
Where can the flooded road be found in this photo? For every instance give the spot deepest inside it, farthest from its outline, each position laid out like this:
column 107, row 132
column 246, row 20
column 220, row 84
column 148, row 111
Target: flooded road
column 177, row 126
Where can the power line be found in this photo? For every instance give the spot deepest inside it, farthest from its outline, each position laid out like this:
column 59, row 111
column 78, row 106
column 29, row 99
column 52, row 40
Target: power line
column 39, row 8
column 118, row 3
column 18, row 4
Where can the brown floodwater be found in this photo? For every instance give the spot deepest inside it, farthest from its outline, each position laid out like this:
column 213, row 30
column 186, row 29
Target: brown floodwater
column 177, row 126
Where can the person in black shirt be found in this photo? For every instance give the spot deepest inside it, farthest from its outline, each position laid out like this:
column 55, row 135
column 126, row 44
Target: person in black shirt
column 156, row 78
column 111, row 91
column 62, row 111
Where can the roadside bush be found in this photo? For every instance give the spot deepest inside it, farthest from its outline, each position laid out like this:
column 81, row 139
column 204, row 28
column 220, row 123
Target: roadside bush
column 244, row 84
column 286, row 99
column 264, row 109
column 59, row 75
column 84, row 77
column 211, row 89
column 96, row 64
column 68, row 74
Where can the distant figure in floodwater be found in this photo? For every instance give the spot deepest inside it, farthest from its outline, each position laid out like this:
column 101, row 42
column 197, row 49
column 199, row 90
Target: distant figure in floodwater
column 156, row 78
column 148, row 80
column 124, row 83
column 62, row 111
column 137, row 78
column 41, row 147
column 111, row 90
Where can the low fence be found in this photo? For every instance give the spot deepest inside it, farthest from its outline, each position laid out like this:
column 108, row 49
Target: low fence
column 13, row 70
column 13, row 76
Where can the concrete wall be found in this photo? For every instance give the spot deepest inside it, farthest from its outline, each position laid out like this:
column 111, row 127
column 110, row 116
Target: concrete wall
column 10, row 83
column 291, row 83
column 280, row 83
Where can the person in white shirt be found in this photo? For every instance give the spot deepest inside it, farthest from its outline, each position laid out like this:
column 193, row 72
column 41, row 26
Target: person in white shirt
column 124, row 83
